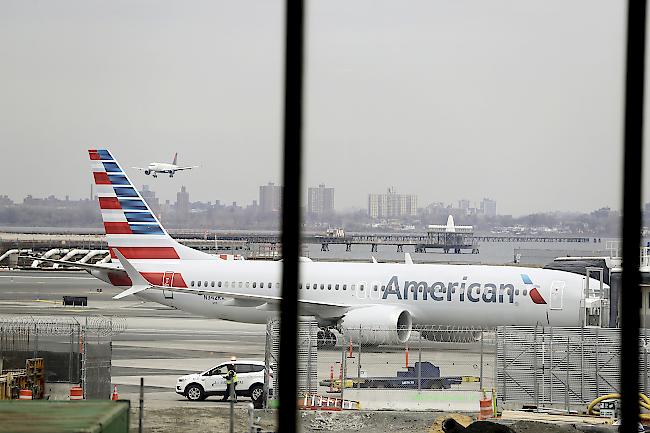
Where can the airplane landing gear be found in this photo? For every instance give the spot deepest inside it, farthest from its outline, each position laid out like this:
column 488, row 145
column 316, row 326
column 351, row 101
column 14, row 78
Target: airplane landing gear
column 325, row 338
column 155, row 174
column 147, row 172
column 171, row 174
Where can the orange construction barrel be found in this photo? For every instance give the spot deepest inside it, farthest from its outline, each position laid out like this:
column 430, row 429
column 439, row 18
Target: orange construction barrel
column 486, row 409
column 76, row 393
column 25, row 394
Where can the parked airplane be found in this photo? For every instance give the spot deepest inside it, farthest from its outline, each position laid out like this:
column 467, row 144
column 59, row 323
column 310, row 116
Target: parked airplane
column 348, row 296
column 162, row 167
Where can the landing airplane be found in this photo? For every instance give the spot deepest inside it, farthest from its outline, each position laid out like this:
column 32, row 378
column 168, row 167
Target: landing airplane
column 394, row 297
column 162, row 167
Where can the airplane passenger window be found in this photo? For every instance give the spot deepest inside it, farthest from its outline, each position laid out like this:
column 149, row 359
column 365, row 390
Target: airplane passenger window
column 205, row 283
column 254, row 284
column 322, row 286
column 336, row 287
column 219, row 284
column 241, row 284
column 374, row 287
column 315, row 286
column 353, row 287
column 307, row 286
column 192, row 283
column 212, row 284
column 525, row 292
column 344, row 286
column 277, row 285
column 299, row 286
column 261, row 285
column 516, row 291
column 199, row 283
column 361, row 287
column 329, row 287
column 233, row 285
column 247, row 284
column 226, row 284
column 383, row 288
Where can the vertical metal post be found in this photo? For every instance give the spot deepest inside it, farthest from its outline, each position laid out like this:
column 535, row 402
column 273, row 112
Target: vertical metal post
column 359, row 362
column 292, row 172
column 566, row 387
column 84, row 359
column 551, row 374
column 71, row 354
column 267, row 365
column 420, row 361
column 480, row 379
column 35, row 342
column 343, row 368
column 141, row 414
column 505, row 353
column 632, row 181
column 645, row 369
column 535, row 383
column 309, row 382
column 231, row 393
column 597, row 350
column 582, row 364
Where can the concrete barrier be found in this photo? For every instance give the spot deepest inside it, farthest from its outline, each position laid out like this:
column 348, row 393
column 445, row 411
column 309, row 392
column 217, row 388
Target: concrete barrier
column 404, row 399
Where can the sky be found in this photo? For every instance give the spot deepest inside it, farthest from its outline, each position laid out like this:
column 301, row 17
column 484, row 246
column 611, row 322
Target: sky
column 519, row 101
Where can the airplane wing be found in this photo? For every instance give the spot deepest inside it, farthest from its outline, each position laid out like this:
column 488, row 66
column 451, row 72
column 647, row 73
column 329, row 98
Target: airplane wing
column 324, row 309
column 185, row 168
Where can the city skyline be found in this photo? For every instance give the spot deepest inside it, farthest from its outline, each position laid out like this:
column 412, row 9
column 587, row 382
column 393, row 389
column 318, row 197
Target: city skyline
column 485, row 206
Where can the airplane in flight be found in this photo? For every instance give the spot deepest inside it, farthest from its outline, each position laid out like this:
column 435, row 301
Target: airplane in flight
column 350, row 297
column 165, row 168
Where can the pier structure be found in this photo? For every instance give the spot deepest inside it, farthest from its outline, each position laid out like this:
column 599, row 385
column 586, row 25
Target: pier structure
column 89, row 246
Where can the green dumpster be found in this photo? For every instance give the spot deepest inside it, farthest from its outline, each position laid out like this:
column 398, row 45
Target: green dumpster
column 36, row 416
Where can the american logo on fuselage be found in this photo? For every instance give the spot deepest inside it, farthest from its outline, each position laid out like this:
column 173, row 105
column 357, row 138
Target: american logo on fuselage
column 463, row 290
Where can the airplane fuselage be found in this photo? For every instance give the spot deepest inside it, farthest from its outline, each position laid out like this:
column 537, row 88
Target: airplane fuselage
column 465, row 295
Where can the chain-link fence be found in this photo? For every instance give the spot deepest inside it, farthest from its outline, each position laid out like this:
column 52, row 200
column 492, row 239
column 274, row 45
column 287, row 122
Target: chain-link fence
column 75, row 350
column 565, row 368
column 428, row 358
column 307, row 357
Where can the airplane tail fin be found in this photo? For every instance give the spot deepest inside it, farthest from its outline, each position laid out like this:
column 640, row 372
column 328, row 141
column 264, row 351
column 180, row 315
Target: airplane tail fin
column 175, row 161
column 131, row 227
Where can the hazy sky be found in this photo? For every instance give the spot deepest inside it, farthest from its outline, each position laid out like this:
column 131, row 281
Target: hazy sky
column 516, row 100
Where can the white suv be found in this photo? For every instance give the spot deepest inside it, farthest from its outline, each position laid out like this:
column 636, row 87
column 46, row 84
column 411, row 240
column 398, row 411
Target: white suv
column 250, row 381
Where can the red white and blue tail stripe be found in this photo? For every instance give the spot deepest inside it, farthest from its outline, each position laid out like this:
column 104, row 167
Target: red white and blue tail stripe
column 130, row 225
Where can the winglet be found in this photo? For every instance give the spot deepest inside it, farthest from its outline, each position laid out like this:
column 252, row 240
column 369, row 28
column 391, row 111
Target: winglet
column 374, row 260
column 138, row 283
column 407, row 259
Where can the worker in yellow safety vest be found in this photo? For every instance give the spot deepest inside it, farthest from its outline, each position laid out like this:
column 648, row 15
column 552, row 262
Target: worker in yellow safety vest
column 231, row 384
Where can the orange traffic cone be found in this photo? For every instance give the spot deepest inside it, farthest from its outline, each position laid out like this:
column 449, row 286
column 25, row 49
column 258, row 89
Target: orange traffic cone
column 114, row 396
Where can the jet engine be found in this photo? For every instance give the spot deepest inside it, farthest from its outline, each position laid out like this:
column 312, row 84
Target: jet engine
column 376, row 325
